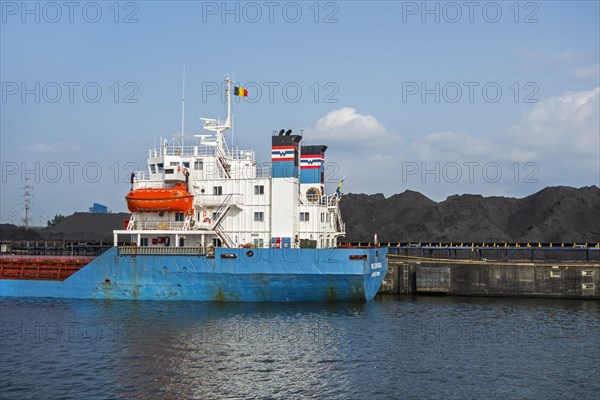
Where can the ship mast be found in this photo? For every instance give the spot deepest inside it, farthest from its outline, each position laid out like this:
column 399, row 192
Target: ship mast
column 182, row 108
column 228, row 97
column 211, row 124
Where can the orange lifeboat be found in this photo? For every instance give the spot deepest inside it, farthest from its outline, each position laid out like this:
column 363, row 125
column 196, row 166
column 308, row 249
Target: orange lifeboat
column 176, row 198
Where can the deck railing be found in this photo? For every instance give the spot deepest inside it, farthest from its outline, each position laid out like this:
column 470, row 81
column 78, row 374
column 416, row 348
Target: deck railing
column 161, row 250
column 158, row 225
column 200, row 151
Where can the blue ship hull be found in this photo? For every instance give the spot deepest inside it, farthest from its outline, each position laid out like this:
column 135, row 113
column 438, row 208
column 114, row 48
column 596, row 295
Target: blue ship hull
column 257, row 275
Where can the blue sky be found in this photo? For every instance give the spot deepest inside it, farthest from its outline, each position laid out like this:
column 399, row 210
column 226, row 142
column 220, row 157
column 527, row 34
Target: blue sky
column 371, row 62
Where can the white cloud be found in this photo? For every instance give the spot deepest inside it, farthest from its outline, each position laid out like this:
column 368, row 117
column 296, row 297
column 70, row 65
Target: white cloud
column 560, row 135
column 568, row 57
column 528, row 54
column 592, row 72
column 521, row 155
column 58, row 147
column 450, row 146
column 564, row 129
column 562, row 126
column 346, row 128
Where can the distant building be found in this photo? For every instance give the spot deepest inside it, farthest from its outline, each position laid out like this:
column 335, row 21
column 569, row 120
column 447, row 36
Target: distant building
column 98, row 209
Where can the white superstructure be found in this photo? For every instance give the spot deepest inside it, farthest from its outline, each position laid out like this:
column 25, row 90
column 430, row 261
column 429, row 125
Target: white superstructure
column 236, row 202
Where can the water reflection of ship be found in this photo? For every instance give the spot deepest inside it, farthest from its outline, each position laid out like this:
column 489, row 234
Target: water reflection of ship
column 210, row 350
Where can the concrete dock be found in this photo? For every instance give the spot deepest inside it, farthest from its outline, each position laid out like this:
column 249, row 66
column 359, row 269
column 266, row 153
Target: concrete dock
column 465, row 277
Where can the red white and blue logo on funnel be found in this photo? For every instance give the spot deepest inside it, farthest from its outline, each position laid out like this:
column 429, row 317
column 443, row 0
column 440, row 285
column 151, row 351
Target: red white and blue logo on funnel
column 283, row 153
column 310, row 161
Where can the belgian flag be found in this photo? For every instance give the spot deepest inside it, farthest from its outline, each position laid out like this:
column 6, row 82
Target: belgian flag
column 240, row 91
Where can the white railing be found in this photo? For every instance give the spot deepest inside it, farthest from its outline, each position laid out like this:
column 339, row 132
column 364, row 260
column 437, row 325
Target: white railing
column 143, row 250
column 158, row 225
column 186, row 151
column 200, row 151
column 263, row 171
column 238, row 154
column 142, row 175
column 193, row 225
column 329, row 200
column 150, row 184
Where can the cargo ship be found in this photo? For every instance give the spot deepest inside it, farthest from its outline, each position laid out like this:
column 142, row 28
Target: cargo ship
column 208, row 223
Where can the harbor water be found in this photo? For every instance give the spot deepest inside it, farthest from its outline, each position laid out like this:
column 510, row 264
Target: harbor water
column 392, row 347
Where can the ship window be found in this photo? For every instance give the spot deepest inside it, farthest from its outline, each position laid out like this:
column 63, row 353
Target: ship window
column 153, row 168
column 322, row 217
column 179, row 216
column 259, row 216
column 169, row 171
column 173, row 163
column 198, row 165
column 186, row 164
column 304, row 216
column 259, row 189
column 217, row 190
column 144, row 242
column 259, row 243
column 160, row 168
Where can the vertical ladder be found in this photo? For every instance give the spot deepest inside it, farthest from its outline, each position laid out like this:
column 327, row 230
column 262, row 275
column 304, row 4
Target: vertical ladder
column 405, row 277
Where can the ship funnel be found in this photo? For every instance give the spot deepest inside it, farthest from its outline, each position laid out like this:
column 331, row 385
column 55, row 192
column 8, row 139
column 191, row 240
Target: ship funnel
column 312, row 164
column 281, row 132
column 288, row 133
column 285, row 155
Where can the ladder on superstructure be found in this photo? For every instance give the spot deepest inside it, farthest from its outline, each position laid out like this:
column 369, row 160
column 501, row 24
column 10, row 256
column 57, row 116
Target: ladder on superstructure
column 131, row 223
column 224, row 165
column 187, row 222
column 335, row 207
column 218, row 218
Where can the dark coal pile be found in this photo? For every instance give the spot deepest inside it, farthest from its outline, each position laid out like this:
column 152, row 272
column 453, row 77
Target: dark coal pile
column 9, row 232
column 555, row 214
column 86, row 227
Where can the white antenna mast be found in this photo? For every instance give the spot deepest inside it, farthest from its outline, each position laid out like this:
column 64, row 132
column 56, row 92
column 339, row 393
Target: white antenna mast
column 229, row 113
column 228, row 95
column 182, row 108
column 217, row 126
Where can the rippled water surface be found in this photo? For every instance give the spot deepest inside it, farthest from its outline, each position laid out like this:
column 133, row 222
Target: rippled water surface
column 393, row 347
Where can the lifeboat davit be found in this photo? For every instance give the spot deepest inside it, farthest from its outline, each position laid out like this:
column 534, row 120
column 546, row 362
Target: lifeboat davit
column 176, row 199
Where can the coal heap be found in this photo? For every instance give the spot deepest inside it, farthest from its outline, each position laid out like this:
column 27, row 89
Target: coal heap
column 79, row 227
column 86, row 227
column 554, row 214
column 13, row 232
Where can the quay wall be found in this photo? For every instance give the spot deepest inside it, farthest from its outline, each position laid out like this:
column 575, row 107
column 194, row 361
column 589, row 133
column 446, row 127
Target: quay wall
column 552, row 279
